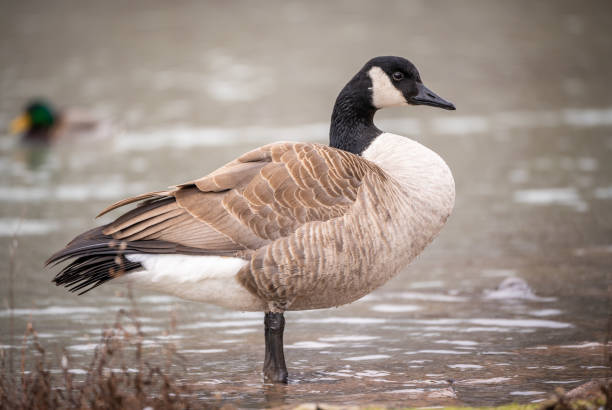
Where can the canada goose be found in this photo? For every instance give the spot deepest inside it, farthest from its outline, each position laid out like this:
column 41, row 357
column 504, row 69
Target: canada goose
column 40, row 122
column 287, row 226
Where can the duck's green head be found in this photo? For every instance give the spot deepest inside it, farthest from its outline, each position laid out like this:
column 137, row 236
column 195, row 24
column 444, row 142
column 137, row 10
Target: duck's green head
column 37, row 116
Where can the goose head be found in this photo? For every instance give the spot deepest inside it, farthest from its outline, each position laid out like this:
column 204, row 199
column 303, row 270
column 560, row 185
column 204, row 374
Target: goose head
column 396, row 81
column 385, row 81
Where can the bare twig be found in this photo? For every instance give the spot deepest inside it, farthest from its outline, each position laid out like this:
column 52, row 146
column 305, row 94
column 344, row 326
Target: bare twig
column 11, row 295
column 608, row 339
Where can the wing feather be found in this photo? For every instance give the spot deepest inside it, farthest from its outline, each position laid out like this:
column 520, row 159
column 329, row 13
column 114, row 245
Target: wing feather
column 263, row 195
column 241, row 208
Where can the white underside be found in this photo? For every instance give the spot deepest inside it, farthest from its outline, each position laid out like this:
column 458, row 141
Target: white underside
column 210, row 279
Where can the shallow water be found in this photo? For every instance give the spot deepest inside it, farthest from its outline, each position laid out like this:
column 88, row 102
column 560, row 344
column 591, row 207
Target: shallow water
column 530, row 148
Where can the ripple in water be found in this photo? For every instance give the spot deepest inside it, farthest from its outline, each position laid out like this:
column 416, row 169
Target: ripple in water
column 367, row 357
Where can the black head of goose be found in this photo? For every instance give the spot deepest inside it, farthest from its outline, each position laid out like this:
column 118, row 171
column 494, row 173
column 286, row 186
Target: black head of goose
column 382, row 82
column 287, row 226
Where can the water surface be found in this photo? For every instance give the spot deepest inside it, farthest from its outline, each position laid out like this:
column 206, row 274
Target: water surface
column 529, row 146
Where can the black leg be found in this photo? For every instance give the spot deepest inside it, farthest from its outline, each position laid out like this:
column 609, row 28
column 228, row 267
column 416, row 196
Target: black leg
column 274, row 369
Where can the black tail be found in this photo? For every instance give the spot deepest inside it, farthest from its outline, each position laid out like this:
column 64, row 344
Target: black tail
column 99, row 258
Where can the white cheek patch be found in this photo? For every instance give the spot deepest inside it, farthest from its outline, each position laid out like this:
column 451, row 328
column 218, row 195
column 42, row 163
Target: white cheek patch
column 384, row 94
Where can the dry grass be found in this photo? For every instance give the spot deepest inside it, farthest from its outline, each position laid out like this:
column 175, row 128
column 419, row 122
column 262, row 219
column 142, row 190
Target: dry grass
column 593, row 395
column 108, row 383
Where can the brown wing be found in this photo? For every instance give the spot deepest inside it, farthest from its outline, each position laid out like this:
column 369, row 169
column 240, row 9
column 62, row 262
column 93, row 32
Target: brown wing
column 263, row 195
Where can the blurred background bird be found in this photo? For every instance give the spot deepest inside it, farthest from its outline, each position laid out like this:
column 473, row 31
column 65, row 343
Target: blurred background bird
column 41, row 122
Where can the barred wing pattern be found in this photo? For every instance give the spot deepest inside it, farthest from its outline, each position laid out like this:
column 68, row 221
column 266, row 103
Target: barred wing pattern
column 247, row 208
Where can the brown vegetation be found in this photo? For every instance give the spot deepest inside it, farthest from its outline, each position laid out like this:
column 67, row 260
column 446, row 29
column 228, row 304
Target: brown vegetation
column 108, row 383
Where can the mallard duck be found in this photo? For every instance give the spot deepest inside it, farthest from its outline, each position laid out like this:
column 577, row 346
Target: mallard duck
column 287, row 226
column 40, row 122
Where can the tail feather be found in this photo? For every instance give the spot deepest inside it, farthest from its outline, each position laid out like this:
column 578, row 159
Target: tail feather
column 95, row 272
column 99, row 257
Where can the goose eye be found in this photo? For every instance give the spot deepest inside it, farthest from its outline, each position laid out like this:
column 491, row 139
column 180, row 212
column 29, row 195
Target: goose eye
column 398, row 75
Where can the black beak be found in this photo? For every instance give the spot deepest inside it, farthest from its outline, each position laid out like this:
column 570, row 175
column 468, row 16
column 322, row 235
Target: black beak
column 427, row 97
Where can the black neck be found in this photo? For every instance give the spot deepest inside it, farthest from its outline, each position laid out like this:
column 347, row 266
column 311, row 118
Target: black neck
column 352, row 124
